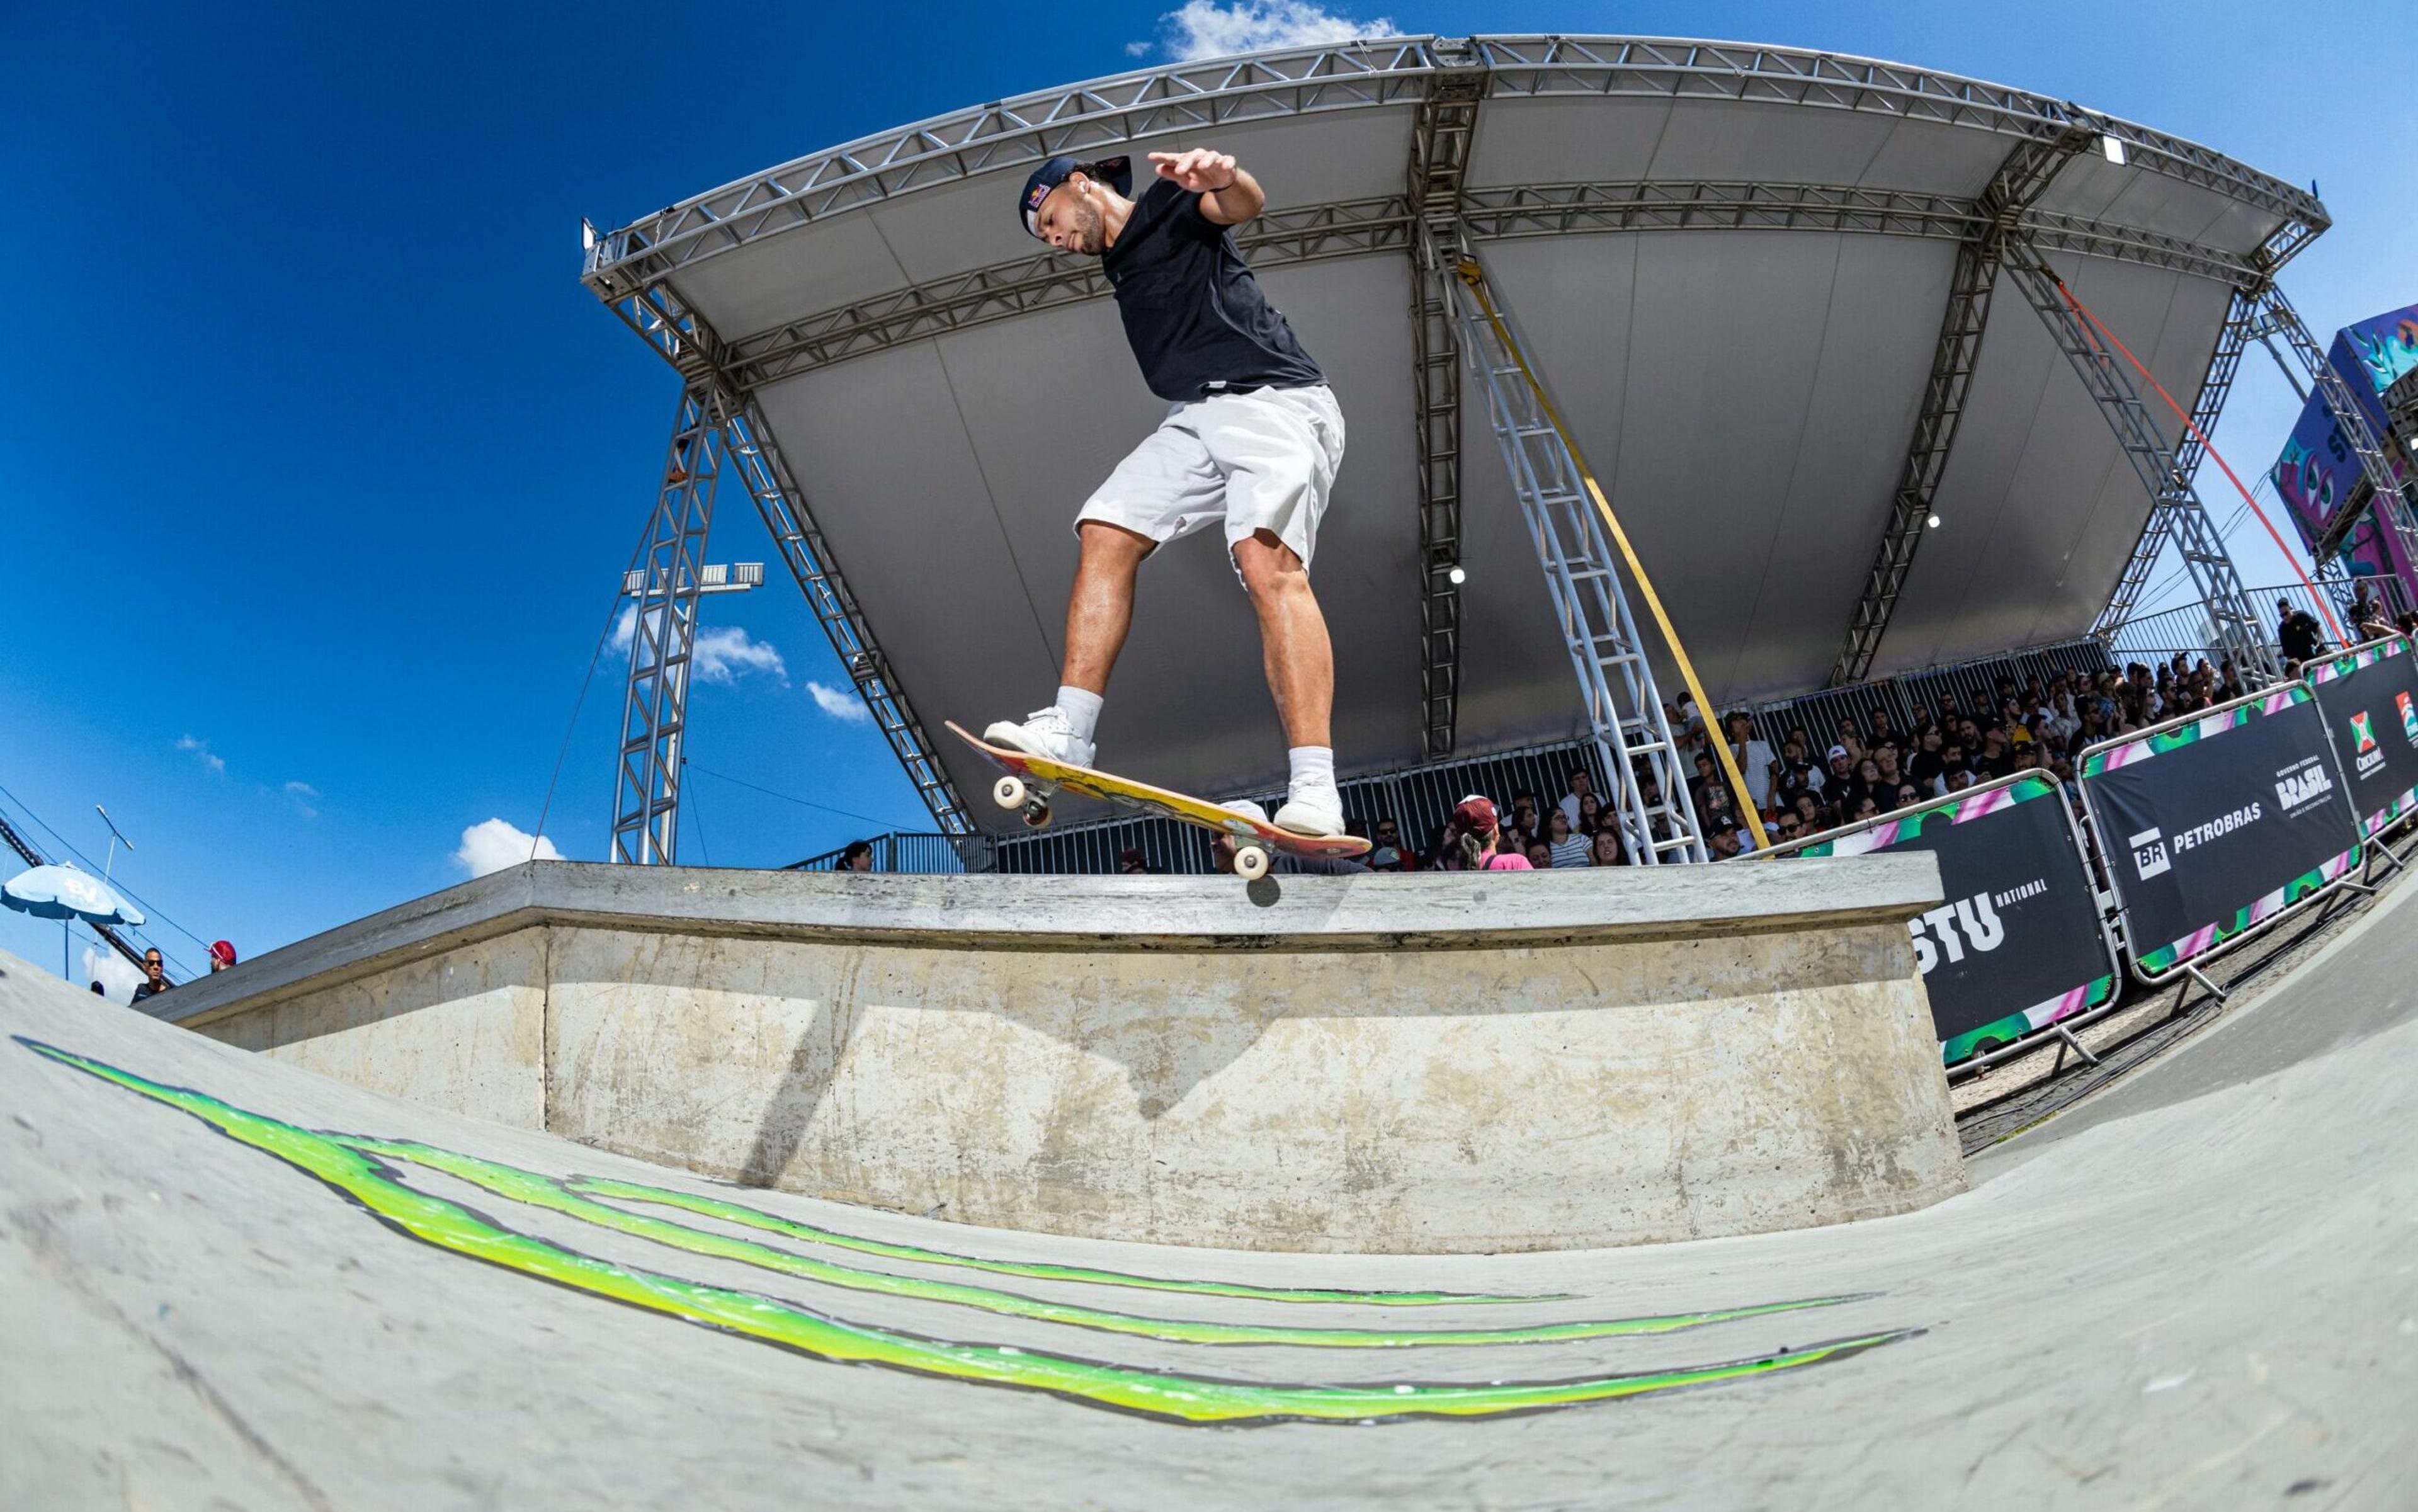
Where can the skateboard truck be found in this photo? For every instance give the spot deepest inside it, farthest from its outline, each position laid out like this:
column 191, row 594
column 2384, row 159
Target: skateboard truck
column 1012, row 792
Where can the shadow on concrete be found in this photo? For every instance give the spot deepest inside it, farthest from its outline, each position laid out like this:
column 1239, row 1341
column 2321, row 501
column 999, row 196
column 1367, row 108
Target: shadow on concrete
column 805, row 1081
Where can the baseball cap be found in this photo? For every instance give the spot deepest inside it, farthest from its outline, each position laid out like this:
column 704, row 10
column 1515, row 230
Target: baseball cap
column 1117, row 173
column 1836, row 752
column 221, row 951
column 1384, row 856
column 1476, row 812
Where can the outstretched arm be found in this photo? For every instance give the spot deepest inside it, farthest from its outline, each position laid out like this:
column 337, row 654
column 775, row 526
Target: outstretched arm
column 1229, row 195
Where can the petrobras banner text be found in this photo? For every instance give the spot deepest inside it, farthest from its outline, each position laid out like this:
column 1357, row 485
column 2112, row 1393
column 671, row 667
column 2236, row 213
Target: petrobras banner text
column 2212, row 825
column 2368, row 697
column 2018, row 945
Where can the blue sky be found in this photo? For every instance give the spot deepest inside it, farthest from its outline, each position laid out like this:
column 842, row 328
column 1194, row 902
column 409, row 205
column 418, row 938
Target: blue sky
column 320, row 463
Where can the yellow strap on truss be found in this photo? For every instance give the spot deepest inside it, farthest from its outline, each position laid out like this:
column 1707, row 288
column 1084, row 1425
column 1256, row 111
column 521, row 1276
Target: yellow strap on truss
column 1474, row 277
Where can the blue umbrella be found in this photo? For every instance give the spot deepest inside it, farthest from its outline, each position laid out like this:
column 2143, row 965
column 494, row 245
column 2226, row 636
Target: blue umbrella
column 63, row 893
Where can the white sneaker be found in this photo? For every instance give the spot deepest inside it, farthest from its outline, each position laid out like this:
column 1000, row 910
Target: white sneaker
column 1044, row 733
column 1313, row 811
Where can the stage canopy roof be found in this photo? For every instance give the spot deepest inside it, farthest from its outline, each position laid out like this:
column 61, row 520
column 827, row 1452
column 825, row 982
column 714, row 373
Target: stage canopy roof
column 1732, row 262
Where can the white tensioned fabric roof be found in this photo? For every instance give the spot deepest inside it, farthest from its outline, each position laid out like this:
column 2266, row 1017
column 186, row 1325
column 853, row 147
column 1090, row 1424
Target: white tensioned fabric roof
column 1737, row 321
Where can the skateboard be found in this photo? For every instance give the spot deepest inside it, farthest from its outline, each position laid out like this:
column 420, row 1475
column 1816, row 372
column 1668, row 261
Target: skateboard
column 1027, row 782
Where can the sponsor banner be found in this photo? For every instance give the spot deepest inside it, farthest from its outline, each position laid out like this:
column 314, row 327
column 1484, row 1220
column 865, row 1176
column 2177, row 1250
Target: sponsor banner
column 2368, row 696
column 2211, row 826
column 2019, row 943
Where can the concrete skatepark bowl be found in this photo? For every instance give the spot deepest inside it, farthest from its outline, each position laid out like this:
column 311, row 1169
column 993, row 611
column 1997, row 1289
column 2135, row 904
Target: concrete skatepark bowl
column 243, row 1284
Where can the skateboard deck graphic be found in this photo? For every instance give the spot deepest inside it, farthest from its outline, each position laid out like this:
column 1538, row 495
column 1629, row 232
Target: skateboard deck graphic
column 1030, row 780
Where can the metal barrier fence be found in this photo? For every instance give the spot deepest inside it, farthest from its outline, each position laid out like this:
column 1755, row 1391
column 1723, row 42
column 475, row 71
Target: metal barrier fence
column 1910, row 696
column 910, row 852
column 2188, row 631
column 1419, row 801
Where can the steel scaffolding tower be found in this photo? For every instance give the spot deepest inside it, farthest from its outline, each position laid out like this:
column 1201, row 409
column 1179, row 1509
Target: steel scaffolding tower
column 2026, row 174
column 1440, row 143
column 2233, row 338
column 1624, row 707
column 767, row 481
column 669, row 578
column 2175, row 511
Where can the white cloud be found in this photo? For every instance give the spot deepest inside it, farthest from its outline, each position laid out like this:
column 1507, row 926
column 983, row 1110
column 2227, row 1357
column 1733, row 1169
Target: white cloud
column 303, row 796
column 723, row 655
column 1204, row 29
column 200, row 749
column 493, row 845
column 118, row 975
column 840, row 704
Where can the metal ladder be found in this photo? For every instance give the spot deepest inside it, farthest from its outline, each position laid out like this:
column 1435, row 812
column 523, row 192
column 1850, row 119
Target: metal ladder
column 1624, row 706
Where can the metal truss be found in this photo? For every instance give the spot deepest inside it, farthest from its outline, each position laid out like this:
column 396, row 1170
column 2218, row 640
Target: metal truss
column 2232, row 339
column 1440, row 141
column 654, row 703
column 960, row 302
column 2175, row 508
column 1789, row 76
column 1013, row 134
column 767, row 478
column 690, row 344
column 2395, row 508
column 2022, row 179
column 1616, row 680
column 1042, row 281
column 1195, row 96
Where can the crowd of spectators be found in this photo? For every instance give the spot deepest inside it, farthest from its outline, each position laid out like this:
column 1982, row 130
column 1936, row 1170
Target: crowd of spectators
column 1855, row 769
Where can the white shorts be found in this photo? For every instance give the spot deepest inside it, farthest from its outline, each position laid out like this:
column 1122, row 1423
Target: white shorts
column 1259, row 461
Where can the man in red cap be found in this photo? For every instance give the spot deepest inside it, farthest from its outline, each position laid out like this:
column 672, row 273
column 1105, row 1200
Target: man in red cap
column 221, row 955
column 1250, row 442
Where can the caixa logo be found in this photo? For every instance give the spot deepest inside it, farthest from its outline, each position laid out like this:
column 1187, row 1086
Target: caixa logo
column 1951, row 929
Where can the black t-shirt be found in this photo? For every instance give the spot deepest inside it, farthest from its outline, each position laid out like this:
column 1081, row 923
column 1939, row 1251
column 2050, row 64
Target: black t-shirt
column 1193, row 312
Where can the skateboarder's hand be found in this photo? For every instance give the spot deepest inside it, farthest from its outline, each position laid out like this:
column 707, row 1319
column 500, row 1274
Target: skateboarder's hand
column 1200, row 170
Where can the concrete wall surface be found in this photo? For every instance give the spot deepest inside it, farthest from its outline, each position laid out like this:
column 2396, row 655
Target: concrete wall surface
column 1379, row 1065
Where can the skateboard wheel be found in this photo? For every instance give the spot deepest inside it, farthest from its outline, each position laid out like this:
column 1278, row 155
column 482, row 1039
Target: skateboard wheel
column 1037, row 814
column 1250, row 863
column 1008, row 792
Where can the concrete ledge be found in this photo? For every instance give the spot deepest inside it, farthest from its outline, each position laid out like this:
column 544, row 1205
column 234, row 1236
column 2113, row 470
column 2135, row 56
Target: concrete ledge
column 1445, row 1062
column 1423, row 910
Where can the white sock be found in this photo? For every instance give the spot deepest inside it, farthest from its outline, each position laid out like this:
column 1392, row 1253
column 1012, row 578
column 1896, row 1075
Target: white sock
column 1313, row 767
column 1082, row 709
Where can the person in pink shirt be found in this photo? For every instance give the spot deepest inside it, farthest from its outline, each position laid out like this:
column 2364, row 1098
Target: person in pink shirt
column 1481, row 838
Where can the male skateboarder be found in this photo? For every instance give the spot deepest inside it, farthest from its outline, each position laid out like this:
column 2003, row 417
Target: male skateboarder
column 1251, row 441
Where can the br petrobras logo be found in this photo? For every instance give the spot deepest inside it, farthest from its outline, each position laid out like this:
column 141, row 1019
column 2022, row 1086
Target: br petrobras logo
column 2408, row 716
column 2150, row 856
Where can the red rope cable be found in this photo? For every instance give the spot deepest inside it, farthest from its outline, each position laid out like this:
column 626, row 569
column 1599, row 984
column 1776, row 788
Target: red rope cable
column 2109, row 336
